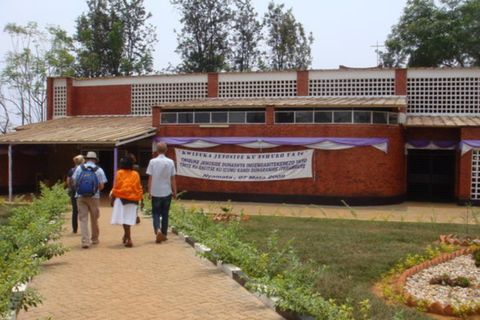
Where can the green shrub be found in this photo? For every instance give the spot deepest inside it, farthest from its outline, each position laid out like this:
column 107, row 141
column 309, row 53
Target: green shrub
column 277, row 272
column 25, row 241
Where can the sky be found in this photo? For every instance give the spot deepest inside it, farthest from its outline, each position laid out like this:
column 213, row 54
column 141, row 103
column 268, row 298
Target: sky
column 346, row 32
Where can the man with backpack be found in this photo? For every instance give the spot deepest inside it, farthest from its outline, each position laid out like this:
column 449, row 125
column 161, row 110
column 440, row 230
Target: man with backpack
column 89, row 179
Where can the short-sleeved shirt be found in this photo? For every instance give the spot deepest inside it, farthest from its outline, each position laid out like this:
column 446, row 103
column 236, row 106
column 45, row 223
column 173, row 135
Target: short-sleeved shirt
column 161, row 169
column 100, row 175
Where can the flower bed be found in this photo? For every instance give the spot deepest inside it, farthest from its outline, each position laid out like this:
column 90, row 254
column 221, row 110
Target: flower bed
column 437, row 307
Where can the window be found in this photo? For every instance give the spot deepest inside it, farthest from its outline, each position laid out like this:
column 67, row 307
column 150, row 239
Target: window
column 304, row 116
column 219, row 117
column 214, row 117
column 284, row 117
column 362, row 117
column 336, row 116
column 342, row 117
column 323, row 117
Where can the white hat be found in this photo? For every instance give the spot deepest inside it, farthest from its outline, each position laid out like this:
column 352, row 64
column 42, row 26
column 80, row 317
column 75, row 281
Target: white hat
column 91, row 155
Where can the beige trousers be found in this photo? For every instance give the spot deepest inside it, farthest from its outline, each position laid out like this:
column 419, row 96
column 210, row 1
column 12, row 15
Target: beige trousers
column 89, row 206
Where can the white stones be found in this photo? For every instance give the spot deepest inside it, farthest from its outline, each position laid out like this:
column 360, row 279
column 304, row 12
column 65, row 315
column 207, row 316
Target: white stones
column 419, row 285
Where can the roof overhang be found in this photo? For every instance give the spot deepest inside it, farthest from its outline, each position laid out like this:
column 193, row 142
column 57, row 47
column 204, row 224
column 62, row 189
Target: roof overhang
column 442, row 121
column 294, row 102
column 104, row 130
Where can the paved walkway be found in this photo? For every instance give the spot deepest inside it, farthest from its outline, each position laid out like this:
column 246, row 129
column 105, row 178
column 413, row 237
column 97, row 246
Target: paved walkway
column 149, row 281
column 167, row 281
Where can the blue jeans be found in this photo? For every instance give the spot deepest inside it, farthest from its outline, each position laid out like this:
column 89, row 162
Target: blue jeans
column 160, row 208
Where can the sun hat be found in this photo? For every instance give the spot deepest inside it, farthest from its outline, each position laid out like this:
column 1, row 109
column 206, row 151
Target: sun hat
column 91, row 155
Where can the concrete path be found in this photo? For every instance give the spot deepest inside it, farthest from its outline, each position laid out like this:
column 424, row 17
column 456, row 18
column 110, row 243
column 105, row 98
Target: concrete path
column 149, row 281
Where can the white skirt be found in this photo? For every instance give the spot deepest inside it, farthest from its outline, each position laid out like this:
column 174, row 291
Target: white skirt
column 124, row 214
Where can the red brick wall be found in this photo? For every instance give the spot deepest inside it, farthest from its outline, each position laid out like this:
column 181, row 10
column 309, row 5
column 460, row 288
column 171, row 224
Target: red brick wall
column 355, row 172
column 465, row 165
column 102, row 100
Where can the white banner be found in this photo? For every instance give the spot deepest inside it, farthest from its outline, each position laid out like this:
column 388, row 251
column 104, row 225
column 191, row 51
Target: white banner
column 244, row 166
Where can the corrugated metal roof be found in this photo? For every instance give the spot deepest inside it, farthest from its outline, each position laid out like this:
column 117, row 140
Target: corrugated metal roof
column 338, row 102
column 442, row 121
column 112, row 130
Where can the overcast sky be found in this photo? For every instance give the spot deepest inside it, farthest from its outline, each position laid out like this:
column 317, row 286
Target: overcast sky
column 345, row 31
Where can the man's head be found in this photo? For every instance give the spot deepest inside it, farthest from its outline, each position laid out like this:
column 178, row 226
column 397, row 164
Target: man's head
column 91, row 156
column 161, row 147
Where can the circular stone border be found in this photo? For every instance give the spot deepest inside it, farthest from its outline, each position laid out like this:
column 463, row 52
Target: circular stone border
column 434, row 307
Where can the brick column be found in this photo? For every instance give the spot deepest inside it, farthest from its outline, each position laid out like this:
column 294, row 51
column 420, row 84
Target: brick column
column 156, row 114
column 401, row 82
column 70, row 101
column 270, row 115
column 302, row 83
column 212, row 91
column 49, row 98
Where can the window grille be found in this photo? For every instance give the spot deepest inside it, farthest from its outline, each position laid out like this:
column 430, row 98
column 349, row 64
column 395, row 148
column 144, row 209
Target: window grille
column 258, row 89
column 59, row 101
column 448, row 95
column 352, row 87
column 145, row 96
column 475, row 194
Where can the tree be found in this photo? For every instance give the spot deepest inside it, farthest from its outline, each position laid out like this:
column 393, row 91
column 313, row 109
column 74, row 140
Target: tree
column 289, row 45
column 246, row 37
column 114, row 39
column 35, row 56
column 431, row 35
column 203, row 41
column 5, row 124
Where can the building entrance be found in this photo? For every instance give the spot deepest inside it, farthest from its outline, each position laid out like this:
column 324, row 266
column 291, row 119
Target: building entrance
column 431, row 175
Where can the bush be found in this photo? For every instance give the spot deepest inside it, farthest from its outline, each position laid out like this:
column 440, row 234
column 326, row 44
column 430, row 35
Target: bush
column 278, row 272
column 25, row 241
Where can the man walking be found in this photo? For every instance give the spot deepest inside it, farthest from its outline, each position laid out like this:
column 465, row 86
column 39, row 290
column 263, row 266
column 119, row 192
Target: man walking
column 162, row 186
column 89, row 203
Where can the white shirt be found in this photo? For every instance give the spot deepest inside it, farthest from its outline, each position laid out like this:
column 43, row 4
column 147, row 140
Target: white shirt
column 161, row 169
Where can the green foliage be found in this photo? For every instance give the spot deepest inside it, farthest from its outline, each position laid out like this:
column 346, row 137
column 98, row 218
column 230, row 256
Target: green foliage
column 114, row 39
column 277, row 272
column 203, row 42
column 227, row 36
column 28, row 239
column 34, row 56
column 476, row 257
column 432, row 33
column 446, row 280
column 290, row 47
column 246, row 37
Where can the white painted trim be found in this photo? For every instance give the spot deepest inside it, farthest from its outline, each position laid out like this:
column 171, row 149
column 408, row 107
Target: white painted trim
column 442, row 73
column 352, row 74
column 59, row 82
column 266, row 76
column 115, row 81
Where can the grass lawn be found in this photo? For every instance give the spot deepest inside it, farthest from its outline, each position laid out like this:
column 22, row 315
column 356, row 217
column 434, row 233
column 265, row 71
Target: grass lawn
column 357, row 252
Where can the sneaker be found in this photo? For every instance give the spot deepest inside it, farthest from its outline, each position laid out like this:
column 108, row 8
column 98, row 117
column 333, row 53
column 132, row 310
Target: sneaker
column 85, row 246
column 95, row 242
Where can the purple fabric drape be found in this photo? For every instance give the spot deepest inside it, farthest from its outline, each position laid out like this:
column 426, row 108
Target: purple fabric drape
column 291, row 141
column 438, row 143
column 471, row 143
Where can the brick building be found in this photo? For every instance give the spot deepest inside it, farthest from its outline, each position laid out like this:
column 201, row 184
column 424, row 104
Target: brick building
column 364, row 136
